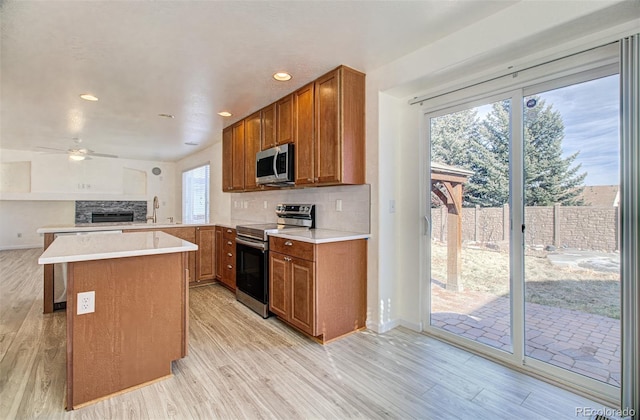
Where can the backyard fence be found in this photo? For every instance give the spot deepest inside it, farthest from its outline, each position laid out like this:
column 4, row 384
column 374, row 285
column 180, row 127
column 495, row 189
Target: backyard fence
column 584, row 227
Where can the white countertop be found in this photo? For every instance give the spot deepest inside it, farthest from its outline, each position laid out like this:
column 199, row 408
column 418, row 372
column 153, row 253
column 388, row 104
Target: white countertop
column 96, row 227
column 112, row 245
column 320, row 236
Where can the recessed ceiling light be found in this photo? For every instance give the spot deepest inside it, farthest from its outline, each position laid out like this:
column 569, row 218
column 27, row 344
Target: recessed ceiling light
column 166, row 116
column 89, row 97
column 282, row 76
column 224, row 113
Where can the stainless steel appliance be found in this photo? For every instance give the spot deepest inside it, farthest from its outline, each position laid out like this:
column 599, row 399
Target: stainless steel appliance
column 274, row 166
column 252, row 253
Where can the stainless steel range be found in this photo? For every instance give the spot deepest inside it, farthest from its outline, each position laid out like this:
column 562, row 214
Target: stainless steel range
column 252, row 253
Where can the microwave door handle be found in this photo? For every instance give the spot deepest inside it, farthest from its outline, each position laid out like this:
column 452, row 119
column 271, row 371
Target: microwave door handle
column 275, row 164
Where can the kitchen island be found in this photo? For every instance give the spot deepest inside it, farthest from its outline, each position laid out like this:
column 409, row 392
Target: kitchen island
column 130, row 320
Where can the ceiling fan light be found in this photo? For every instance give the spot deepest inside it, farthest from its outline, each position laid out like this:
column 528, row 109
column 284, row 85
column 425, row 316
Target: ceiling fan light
column 76, row 157
column 224, row 113
column 89, row 97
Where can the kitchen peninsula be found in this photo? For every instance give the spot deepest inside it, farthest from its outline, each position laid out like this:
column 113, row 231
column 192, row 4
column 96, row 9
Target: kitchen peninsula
column 132, row 320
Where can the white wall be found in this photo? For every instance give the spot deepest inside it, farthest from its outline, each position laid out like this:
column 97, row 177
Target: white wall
column 521, row 35
column 219, row 203
column 56, row 183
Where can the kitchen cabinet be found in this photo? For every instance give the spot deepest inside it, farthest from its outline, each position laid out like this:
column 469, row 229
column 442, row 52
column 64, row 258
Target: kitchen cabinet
column 339, row 148
column 219, row 251
column 324, row 119
column 303, row 107
column 320, row 289
column 252, row 130
column 268, row 126
column 284, row 120
column 226, row 257
column 188, row 234
column 205, row 256
column 233, row 157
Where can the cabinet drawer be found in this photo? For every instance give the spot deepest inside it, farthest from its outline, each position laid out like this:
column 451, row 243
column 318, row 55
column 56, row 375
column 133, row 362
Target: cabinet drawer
column 299, row 249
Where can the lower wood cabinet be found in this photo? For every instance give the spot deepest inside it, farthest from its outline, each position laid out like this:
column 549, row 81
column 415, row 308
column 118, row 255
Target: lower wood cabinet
column 226, row 256
column 201, row 263
column 205, row 256
column 320, row 289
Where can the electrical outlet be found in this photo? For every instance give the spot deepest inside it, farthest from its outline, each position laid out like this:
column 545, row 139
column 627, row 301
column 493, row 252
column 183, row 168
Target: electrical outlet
column 86, row 302
column 338, row 205
column 265, row 204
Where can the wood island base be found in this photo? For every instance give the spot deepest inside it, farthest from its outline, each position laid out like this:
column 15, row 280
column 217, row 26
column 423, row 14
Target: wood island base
column 139, row 326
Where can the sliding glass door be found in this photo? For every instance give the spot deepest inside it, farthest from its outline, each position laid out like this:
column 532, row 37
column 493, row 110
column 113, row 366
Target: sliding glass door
column 572, row 260
column 523, row 211
column 470, row 287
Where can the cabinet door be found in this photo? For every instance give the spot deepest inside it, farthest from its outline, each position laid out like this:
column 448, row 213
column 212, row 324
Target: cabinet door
column 328, row 151
column 227, row 159
column 303, row 296
column 251, row 146
column 187, row 234
column 205, row 238
column 238, row 156
column 268, row 118
column 304, row 135
column 284, row 120
column 278, row 284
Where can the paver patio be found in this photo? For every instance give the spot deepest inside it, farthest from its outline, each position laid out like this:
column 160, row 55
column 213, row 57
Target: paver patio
column 580, row 342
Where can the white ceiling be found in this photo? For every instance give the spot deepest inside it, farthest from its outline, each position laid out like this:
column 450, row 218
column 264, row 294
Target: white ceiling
column 190, row 59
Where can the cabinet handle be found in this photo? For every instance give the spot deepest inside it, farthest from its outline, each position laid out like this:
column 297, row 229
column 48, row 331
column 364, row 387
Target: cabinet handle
column 229, row 267
column 287, row 259
column 288, row 243
column 229, row 254
column 229, row 231
column 229, row 243
column 310, row 179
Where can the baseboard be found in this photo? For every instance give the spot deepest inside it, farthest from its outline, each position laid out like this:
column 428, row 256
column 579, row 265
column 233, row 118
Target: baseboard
column 383, row 327
column 417, row 327
column 11, row 247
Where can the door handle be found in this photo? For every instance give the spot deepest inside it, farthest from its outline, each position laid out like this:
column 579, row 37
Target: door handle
column 427, row 226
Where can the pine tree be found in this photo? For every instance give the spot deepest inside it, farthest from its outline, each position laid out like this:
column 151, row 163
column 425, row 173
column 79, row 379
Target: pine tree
column 460, row 139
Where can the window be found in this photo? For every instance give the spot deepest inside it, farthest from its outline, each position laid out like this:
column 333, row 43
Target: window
column 195, row 195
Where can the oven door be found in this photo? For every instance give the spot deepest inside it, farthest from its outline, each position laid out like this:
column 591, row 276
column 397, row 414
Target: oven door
column 252, row 268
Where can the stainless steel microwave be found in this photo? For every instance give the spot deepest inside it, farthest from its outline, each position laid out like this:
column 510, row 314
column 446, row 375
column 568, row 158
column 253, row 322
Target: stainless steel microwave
column 274, row 166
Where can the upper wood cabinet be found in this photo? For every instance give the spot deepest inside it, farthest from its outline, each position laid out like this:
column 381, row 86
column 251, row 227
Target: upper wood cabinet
column 268, row 120
column 252, row 130
column 238, row 156
column 324, row 119
column 304, row 133
column 233, row 157
column 340, row 127
column 227, row 159
column 284, row 120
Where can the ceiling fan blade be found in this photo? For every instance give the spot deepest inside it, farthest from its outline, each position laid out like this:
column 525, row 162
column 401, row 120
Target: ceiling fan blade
column 106, row 155
column 51, row 149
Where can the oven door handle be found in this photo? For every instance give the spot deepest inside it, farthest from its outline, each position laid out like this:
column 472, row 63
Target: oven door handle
column 252, row 244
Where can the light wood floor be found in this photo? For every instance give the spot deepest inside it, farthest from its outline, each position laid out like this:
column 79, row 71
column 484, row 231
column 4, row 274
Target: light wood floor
column 241, row 366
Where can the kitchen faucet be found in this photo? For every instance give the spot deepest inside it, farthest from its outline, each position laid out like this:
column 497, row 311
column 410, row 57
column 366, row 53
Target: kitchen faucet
column 156, row 205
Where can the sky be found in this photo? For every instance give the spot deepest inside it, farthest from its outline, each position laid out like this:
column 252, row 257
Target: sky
column 590, row 112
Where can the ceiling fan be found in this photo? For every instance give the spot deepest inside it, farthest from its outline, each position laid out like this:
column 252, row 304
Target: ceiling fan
column 77, row 153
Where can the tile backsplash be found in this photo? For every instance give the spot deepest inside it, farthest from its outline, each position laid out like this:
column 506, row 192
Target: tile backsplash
column 355, row 201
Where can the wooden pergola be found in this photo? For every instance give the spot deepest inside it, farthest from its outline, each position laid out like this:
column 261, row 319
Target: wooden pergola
column 447, row 184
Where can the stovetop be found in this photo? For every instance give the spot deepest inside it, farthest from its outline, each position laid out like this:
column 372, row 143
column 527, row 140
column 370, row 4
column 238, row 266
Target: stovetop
column 261, row 231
